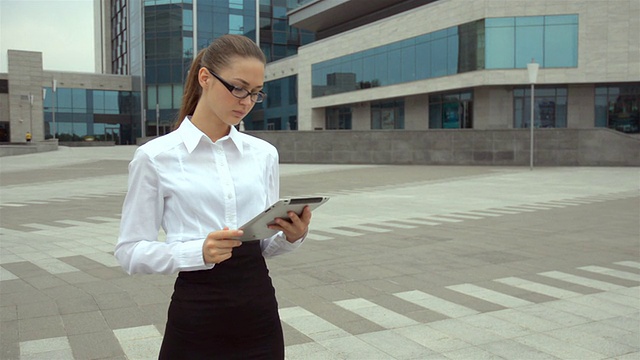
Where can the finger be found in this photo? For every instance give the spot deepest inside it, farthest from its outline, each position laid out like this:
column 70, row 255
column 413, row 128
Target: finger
column 226, row 234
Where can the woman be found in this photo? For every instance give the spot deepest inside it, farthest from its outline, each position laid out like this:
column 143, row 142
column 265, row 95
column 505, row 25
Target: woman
column 200, row 183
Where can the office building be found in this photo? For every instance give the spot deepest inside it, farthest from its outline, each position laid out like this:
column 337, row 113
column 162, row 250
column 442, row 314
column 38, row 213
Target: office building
column 458, row 64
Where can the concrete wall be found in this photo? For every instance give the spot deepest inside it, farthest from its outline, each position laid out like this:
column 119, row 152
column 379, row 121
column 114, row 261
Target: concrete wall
column 22, row 148
column 509, row 147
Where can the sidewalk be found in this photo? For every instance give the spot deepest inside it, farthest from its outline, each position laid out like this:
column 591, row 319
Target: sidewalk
column 404, row 262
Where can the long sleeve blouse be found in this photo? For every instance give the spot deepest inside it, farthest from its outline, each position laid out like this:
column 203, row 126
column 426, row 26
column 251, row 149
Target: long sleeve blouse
column 190, row 186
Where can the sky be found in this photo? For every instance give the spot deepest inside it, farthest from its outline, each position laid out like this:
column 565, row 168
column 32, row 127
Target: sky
column 61, row 29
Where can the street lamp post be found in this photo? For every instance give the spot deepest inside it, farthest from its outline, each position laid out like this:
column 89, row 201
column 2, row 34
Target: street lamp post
column 31, row 113
column 532, row 68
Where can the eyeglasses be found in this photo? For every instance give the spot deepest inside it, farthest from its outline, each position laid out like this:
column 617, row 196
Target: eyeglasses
column 240, row 93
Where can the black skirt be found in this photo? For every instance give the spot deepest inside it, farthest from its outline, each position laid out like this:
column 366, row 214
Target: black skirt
column 228, row 312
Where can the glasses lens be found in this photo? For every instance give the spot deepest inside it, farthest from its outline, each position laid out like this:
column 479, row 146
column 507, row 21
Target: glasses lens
column 257, row 97
column 240, row 92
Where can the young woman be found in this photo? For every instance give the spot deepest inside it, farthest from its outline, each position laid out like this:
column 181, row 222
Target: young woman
column 200, row 183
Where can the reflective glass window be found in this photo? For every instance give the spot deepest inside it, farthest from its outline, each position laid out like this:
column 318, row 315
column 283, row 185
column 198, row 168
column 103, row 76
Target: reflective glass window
column 550, row 108
column 236, row 24
column 79, row 100
column 387, row 115
column 187, row 19
column 111, row 102
column 451, row 110
column 165, row 100
column 177, row 95
column 529, row 45
column 63, row 98
column 561, row 46
column 618, row 107
column 236, row 4
column 381, row 69
column 499, row 48
column 152, row 97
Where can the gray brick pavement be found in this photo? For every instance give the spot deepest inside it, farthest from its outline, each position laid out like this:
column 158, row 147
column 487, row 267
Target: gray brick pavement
column 404, row 262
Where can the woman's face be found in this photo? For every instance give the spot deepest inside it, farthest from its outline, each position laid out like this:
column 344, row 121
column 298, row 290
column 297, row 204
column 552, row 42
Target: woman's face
column 246, row 73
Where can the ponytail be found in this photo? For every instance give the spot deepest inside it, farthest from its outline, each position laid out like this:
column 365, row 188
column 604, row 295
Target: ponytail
column 216, row 56
column 192, row 90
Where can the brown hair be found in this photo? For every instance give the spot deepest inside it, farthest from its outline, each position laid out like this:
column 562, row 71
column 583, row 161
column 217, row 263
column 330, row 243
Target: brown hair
column 216, row 56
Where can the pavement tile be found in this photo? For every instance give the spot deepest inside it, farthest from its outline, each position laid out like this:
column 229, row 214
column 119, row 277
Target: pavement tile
column 510, row 349
column 95, row 345
column 40, row 328
column 558, row 348
column 396, row 345
column 8, row 313
column 39, row 309
column 125, row 317
column 472, row 352
column 44, row 345
column 84, row 322
column 596, row 343
column 25, row 269
column 82, row 303
column 9, row 340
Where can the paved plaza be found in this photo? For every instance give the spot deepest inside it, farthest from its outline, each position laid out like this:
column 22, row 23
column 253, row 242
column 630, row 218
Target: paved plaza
column 404, row 262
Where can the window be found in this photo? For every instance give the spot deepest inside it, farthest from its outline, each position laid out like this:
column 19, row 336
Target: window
column 617, row 107
column 338, row 118
column 513, row 42
column 550, row 107
column 387, row 115
column 451, row 110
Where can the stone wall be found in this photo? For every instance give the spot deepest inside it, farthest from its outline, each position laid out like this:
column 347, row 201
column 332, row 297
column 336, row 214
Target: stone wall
column 508, row 147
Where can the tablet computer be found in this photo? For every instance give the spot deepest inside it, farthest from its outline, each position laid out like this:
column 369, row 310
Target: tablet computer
column 256, row 228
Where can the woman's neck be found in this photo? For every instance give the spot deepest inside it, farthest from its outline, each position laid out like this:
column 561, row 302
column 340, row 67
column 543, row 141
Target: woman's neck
column 209, row 124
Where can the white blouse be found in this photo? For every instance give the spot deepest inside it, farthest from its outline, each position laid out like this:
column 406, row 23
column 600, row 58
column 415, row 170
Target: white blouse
column 191, row 186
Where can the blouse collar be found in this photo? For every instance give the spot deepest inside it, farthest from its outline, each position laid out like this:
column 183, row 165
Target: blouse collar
column 191, row 136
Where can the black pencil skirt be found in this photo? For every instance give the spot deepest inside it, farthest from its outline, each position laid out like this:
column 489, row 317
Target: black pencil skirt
column 228, row 312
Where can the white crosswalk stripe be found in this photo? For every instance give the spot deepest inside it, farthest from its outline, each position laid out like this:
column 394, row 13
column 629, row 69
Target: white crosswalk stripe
column 439, row 218
column 611, row 272
column 633, row 264
column 314, row 236
column 369, row 228
column 339, row 232
column 310, row 324
column 375, row 313
column 489, row 295
column 538, row 288
column 141, row 342
column 436, row 304
column 596, row 284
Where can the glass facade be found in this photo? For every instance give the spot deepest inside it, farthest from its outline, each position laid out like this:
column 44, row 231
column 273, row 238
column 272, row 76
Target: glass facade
column 512, row 42
column 168, row 52
column 103, row 114
column 387, row 115
column 451, row 110
column 277, row 39
column 279, row 111
column 467, row 47
column 119, row 48
column 219, row 17
column 617, row 106
column 550, row 108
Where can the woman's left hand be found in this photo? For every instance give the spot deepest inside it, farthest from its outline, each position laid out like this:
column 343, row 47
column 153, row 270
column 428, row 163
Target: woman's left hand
column 296, row 226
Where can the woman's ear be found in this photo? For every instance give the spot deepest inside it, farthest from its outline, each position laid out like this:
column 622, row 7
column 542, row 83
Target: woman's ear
column 203, row 77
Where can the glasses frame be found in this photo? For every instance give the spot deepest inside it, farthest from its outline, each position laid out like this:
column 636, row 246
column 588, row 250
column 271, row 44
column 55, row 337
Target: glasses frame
column 256, row 97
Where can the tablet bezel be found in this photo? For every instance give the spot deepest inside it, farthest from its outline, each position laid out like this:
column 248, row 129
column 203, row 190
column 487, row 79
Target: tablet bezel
column 257, row 228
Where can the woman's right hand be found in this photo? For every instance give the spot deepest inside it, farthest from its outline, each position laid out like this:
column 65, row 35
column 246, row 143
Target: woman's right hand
column 218, row 246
